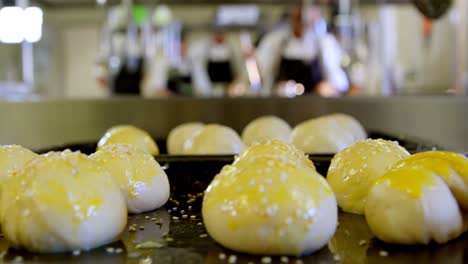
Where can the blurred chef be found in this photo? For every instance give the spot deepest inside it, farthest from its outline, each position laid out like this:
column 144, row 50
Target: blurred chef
column 120, row 58
column 303, row 54
column 172, row 76
column 217, row 64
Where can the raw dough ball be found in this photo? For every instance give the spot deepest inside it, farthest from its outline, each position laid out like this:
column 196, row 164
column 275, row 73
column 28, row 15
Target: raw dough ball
column 62, row 202
column 353, row 171
column 412, row 205
column 270, row 208
column 350, row 124
column 12, row 158
column 327, row 134
column 266, row 127
column 451, row 167
column 215, row 140
column 273, row 150
column 126, row 134
column 179, row 135
column 141, row 179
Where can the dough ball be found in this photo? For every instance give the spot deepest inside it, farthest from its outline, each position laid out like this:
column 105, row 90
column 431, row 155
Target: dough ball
column 126, row 134
column 350, row 124
column 275, row 149
column 327, row 134
column 179, row 135
column 62, row 202
column 215, row 140
column 266, row 127
column 451, row 167
column 353, row 171
column 141, row 179
column 412, row 205
column 270, row 209
column 12, row 158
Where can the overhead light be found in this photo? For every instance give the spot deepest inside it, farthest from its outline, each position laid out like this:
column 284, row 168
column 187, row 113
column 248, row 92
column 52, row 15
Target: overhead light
column 33, row 24
column 18, row 24
column 11, row 24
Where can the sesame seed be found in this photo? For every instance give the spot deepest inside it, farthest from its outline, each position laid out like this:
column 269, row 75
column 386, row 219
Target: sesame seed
column 153, row 219
column 147, row 217
column 336, row 258
column 184, row 216
column 232, row 259
column 132, row 229
column 190, row 207
column 118, row 250
column 200, row 223
column 182, row 211
column 284, row 259
column 142, row 228
column 266, row 260
column 222, row 256
column 175, row 218
column 299, row 261
column 383, row 253
column 203, row 235
column 362, row 243
column 110, row 250
column 193, row 216
column 18, row 259
column 174, row 209
column 76, row 252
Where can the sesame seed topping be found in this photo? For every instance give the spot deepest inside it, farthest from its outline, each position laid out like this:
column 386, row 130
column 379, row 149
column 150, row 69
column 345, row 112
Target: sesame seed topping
column 266, row 259
column 284, row 259
column 336, row 258
column 383, row 253
column 76, row 252
column 110, row 250
column 222, row 256
column 232, row 259
column 184, row 216
column 203, row 235
column 362, row 243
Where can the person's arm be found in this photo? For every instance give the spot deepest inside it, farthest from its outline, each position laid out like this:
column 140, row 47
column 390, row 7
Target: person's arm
column 156, row 75
column 330, row 54
column 200, row 79
column 268, row 57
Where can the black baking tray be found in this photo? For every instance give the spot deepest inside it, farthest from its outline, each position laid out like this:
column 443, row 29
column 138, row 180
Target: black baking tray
column 211, row 164
column 182, row 237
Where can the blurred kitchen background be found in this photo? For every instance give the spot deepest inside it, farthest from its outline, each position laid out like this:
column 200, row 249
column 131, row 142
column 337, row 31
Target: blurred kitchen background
column 96, row 49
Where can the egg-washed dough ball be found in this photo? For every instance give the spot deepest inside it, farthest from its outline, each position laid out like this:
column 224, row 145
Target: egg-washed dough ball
column 451, row 167
column 127, row 134
column 270, row 209
column 12, row 158
column 321, row 136
column 412, row 205
column 180, row 134
column 266, row 127
column 353, row 171
column 351, row 124
column 327, row 134
column 215, row 139
column 142, row 180
column 273, row 150
column 62, row 202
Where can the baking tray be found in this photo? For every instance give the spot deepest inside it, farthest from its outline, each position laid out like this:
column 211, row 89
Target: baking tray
column 211, row 164
column 180, row 236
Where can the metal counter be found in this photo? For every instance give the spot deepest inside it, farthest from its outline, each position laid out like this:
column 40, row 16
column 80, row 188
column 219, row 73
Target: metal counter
column 45, row 123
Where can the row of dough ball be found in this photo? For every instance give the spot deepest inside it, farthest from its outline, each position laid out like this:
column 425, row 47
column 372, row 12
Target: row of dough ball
column 64, row 201
column 406, row 199
column 327, row 134
column 270, row 201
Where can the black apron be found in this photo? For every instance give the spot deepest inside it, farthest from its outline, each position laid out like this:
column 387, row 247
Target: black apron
column 180, row 84
column 220, row 71
column 308, row 74
column 127, row 81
